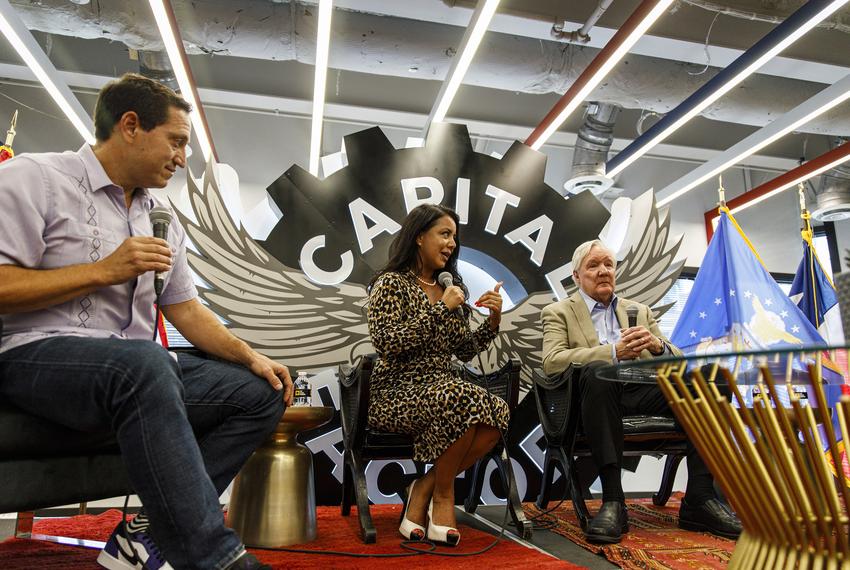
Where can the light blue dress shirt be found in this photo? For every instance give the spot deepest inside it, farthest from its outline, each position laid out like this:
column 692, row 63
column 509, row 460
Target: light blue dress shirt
column 604, row 321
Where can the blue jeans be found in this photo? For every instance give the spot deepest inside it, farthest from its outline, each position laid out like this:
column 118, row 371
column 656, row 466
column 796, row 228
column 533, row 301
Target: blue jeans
column 184, row 427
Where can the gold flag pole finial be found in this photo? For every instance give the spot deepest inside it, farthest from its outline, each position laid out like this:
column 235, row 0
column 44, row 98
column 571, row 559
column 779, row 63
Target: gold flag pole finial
column 10, row 134
column 721, row 192
column 804, row 213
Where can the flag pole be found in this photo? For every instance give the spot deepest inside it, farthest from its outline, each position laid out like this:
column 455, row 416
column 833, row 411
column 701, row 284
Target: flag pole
column 808, row 236
column 806, row 233
column 6, row 151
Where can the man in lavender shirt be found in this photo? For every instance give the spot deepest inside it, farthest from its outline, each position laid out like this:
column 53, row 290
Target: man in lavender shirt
column 77, row 299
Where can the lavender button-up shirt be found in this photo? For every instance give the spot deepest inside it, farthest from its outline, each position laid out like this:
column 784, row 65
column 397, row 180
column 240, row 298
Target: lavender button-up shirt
column 60, row 209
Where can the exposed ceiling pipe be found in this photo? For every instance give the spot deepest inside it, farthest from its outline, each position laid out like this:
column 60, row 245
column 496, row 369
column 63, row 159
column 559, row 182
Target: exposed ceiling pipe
column 582, row 35
column 155, row 65
column 831, row 24
column 391, row 46
column 591, row 150
column 814, row 167
column 833, row 194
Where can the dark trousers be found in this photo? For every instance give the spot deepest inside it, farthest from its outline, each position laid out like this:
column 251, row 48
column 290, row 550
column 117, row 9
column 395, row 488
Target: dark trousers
column 185, row 427
column 604, row 403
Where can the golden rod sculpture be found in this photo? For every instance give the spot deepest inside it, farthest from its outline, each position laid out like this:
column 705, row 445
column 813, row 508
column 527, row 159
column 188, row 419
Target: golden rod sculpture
column 770, row 463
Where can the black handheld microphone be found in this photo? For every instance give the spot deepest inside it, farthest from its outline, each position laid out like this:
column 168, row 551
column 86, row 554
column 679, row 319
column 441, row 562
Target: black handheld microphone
column 160, row 220
column 632, row 313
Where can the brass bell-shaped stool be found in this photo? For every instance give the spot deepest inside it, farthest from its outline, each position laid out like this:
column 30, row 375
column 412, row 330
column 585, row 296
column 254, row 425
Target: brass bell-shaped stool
column 273, row 502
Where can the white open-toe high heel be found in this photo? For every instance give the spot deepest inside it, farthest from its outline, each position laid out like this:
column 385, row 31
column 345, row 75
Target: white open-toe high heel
column 443, row 534
column 409, row 529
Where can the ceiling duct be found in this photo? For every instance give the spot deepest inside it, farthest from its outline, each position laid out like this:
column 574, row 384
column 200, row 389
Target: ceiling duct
column 155, row 65
column 833, row 196
column 390, row 46
column 591, row 150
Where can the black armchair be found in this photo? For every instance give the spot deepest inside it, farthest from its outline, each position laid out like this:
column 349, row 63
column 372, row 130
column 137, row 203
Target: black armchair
column 43, row 464
column 363, row 443
column 559, row 409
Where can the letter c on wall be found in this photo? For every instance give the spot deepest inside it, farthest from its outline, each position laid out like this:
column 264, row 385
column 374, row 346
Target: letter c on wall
column 320, row 276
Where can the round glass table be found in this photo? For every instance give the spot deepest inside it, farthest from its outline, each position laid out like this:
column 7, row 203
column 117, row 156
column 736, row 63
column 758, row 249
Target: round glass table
column 786, row 365
column 766, row 444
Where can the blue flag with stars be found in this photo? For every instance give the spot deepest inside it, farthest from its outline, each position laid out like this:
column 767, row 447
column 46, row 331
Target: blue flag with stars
column 736, row 305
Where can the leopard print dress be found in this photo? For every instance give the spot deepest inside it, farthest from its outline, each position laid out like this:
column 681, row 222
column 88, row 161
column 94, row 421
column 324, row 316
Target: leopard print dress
column 414, row 389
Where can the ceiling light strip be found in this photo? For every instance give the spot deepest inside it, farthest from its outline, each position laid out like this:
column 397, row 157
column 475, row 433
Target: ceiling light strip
column 617, row 47
column 794, row 27
column 478, row 24
column 166, row 22
column 790, row 179
column 323, row 43
column 803, row 113
column 27, row 47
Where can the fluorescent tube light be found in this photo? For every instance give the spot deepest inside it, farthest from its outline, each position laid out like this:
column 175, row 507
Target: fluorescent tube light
column 24, row 43
column 164, row 16
column 782, row 36
column 591, row 77
column 478, row 24
column 827, row 99
column 792, row 183
column 323, row 41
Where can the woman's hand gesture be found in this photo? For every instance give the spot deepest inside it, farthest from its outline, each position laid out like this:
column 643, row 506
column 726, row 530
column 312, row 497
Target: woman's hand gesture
column 492, row 300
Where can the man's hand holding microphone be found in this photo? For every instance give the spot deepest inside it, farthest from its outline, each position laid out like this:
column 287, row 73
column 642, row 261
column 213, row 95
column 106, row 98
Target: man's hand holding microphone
column 139, row 254
column 637, row 338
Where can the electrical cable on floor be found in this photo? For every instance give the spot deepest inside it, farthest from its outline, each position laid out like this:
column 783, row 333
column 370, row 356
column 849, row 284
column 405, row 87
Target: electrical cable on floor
column 412, row 545
column 134, row 555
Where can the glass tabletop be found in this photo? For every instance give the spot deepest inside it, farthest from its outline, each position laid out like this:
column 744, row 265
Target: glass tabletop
column 787, row 365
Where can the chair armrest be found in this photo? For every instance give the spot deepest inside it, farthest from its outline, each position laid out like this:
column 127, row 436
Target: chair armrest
column 555, row 381
column 504, row 382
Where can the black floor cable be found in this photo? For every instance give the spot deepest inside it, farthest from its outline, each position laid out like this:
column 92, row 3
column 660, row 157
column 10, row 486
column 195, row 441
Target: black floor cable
column 134, row 556
column 413, row 545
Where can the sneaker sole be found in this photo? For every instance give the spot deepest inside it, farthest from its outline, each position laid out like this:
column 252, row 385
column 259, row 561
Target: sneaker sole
column 108, row 561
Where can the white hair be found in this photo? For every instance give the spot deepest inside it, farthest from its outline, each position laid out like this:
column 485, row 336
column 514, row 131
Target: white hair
column 584, row 249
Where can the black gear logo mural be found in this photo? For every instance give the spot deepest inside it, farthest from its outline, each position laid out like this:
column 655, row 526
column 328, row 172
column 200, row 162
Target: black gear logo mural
column 507, row 207
column 298, row 296
column 340, row 229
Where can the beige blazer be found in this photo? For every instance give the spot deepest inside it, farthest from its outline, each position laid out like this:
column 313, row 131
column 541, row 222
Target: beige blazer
column 569, row 336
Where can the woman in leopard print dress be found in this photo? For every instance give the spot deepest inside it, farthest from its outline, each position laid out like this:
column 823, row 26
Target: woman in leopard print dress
column 416, row 326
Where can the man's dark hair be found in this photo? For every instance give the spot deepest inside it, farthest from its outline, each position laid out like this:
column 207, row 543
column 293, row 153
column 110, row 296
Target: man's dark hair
column 132, row 92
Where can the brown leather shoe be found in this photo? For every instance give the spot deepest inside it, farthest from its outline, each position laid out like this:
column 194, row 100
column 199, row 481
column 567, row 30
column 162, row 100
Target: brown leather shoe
column 609, row 524
column 712, row 516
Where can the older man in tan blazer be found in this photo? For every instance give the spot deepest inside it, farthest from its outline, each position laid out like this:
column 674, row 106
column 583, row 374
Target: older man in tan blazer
column 591, row 329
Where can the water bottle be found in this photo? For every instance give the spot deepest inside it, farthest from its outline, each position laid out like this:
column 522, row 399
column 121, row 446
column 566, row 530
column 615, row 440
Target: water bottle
column 301, row 397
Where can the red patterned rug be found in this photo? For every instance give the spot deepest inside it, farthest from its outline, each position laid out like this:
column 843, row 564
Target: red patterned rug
column 335, row 533
column 654, row 541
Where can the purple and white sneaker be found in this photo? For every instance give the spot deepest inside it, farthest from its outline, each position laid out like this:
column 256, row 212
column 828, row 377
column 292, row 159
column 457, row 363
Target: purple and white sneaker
column 134, row 554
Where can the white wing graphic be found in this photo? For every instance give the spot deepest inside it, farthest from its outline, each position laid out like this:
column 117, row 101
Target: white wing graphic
column 273, row 308
column 648, row 270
